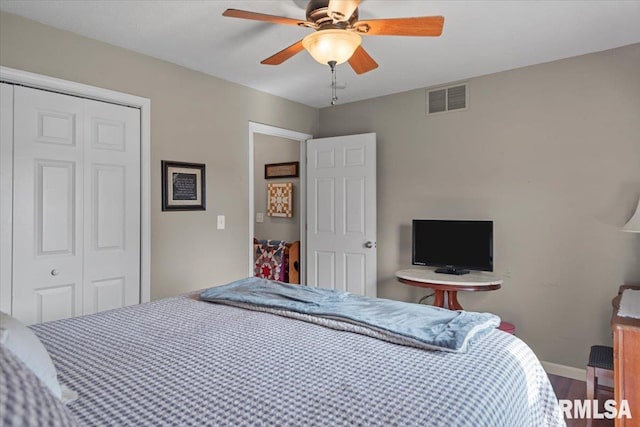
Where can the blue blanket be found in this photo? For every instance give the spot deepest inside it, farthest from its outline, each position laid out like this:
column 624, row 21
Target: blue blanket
column 435, row 327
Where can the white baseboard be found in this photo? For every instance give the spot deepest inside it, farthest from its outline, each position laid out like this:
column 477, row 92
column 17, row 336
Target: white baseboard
column 565, row 371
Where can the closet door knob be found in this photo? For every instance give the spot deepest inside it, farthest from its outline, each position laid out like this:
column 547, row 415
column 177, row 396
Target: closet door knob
column 54, row 272
column 368, row 245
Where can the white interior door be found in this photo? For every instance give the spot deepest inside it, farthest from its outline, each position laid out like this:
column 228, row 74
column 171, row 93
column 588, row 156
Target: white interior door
column 341, row 213
column 47, row 206
column 76, row 207
column 111, row 276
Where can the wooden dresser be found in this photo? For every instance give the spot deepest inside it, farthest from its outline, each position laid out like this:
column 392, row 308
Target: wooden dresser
column 626, row 360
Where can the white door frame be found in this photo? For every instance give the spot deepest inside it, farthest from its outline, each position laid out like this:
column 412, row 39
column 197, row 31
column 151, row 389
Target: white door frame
column 296, row 136
column 6, row 199
column 38, row 81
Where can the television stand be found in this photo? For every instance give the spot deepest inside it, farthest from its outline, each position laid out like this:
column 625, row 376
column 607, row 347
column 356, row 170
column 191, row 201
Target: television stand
column 451, row 270
column 441, row 284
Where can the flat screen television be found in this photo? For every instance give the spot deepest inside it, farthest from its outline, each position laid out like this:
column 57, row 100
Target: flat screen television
column 455, row 246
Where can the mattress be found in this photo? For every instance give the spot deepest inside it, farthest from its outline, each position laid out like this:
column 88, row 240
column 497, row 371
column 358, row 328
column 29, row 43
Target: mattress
column 184, row 362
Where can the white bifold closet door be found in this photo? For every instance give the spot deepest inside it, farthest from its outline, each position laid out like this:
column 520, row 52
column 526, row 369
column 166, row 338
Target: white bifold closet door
column 76, row 206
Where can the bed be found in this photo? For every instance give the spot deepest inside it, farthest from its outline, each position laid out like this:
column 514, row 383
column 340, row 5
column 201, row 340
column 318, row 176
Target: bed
column 184, row 361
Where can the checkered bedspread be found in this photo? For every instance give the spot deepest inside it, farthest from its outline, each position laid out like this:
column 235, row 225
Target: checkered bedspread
column 25, row 400
column 184, row 362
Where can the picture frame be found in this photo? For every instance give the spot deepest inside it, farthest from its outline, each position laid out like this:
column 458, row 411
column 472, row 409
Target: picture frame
column 183, row 186
column 280, row 199
column 282, row 170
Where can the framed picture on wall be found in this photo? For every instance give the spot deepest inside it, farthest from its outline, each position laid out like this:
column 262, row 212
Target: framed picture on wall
column 183, row 186
column 282, row 170
column 280, row 199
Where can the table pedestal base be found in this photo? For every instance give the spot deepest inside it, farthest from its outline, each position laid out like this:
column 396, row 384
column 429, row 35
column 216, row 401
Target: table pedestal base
column 452, row 300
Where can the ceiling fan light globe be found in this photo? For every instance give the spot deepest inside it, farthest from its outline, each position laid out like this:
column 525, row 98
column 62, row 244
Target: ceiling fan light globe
column 331, row 45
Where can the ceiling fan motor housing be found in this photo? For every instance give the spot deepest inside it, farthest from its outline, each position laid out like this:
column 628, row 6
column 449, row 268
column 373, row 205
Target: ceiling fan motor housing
column 317, row 12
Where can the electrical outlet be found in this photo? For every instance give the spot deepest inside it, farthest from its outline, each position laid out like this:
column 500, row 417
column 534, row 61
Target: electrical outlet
column 220, row 222
column 260, row 217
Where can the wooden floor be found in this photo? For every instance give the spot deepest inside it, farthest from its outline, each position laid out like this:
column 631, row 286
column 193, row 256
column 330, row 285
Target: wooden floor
column 567, row 388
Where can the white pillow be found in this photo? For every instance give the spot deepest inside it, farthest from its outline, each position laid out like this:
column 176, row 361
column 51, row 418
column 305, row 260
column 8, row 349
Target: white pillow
column 25, row 345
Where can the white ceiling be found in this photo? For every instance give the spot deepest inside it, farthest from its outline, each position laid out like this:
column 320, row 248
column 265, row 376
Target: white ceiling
column 479, row 37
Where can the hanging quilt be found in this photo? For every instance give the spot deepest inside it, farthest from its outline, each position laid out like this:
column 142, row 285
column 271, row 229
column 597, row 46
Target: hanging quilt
column 280, row 199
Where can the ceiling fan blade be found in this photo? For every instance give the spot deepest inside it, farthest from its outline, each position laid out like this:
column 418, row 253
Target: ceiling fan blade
column 341, row 10
column 418, row 26
column 235, row 13
column 284, row 54
column 361, row 61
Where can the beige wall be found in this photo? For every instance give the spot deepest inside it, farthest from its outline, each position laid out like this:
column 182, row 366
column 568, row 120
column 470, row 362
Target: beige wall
column 194, row 117
column 273, row 149
column 551, row 153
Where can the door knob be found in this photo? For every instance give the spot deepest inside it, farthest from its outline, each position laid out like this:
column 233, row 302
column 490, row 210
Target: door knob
column 54, row 272
column 369, row 245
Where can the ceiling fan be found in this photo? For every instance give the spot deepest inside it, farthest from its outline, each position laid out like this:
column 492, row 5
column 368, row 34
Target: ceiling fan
column 337, row 32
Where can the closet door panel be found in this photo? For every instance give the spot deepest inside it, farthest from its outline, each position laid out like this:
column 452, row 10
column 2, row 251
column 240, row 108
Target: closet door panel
column 47, row 206
column 55, row 207
column 111, row 206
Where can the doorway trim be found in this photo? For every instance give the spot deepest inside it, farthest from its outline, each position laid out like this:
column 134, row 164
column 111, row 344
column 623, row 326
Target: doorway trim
column 38, row 81
column 296, row 136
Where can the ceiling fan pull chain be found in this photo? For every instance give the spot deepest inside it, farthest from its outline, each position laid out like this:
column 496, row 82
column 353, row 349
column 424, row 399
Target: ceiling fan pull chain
column 334, row 89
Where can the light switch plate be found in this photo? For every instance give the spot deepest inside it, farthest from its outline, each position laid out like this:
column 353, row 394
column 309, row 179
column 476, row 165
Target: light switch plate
column 260, row 217
column 220, row 222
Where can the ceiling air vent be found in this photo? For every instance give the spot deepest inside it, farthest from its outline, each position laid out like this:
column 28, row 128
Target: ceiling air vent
column 444, row 99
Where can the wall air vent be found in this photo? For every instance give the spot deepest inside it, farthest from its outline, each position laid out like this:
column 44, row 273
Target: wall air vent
column 445, row 99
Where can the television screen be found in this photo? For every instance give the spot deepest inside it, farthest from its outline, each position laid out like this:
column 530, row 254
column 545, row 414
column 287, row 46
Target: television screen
column 453, row 244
